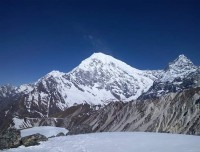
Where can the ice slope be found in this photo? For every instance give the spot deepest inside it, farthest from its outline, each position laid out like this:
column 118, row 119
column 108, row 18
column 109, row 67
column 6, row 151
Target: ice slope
column 117, row 142
column 47, row 131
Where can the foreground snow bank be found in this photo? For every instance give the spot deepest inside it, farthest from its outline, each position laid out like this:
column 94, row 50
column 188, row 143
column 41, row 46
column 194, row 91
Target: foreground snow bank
column 117, row 142
column 47, row 131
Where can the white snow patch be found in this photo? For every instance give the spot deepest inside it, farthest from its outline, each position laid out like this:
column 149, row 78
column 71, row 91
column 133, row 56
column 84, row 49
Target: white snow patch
column 26, row 88
column 18, row 122
column 117, row 142
column 47, row 131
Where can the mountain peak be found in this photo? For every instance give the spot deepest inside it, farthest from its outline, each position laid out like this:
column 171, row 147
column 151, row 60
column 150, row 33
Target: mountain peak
column 116, row 79
column 102, row 57
column 55, row 72
column 182, row 56
column 180, row 67
column 181, row 61
column 98, row 55
column 99, row 60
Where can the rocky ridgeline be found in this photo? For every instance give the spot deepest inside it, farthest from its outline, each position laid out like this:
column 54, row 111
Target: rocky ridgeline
column 174, row 113
column 10, row 138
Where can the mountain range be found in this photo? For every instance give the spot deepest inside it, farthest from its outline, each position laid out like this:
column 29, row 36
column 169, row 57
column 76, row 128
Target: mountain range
column 98, row 81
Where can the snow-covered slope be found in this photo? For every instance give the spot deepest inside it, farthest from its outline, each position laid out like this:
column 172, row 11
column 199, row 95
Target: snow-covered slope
column 117, row 142
column 47, row 131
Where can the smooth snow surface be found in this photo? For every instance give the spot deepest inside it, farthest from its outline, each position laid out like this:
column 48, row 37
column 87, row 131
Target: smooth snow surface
column 47, row 131
column 117, row 142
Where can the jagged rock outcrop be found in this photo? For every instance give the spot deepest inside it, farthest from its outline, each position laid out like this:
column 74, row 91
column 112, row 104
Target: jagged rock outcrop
column 33, row 140
column 10, row 138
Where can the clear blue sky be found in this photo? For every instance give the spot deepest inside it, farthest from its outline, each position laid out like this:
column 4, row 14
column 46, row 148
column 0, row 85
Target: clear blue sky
column 38, row 36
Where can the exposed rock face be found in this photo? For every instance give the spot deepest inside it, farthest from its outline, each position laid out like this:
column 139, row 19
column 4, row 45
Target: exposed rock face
column 60, row 134
column 80, row 129
column 33, row 139
column 10, row 138
column 160, row 88
column 8, row 95
column 174, row 113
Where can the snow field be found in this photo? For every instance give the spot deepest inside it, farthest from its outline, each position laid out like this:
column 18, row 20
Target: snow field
column 117, row 142
column 47, row 131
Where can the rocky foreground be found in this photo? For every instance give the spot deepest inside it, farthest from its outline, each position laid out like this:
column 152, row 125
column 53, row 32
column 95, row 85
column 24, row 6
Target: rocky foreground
column 12, row 138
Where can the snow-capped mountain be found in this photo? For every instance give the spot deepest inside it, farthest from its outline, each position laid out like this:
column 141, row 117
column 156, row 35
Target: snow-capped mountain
column 98, row 80
column 116, row 79
column 179, row 68
column 179, row 75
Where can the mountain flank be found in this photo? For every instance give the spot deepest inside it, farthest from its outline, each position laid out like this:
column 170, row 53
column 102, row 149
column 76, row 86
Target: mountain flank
column 108, row 95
